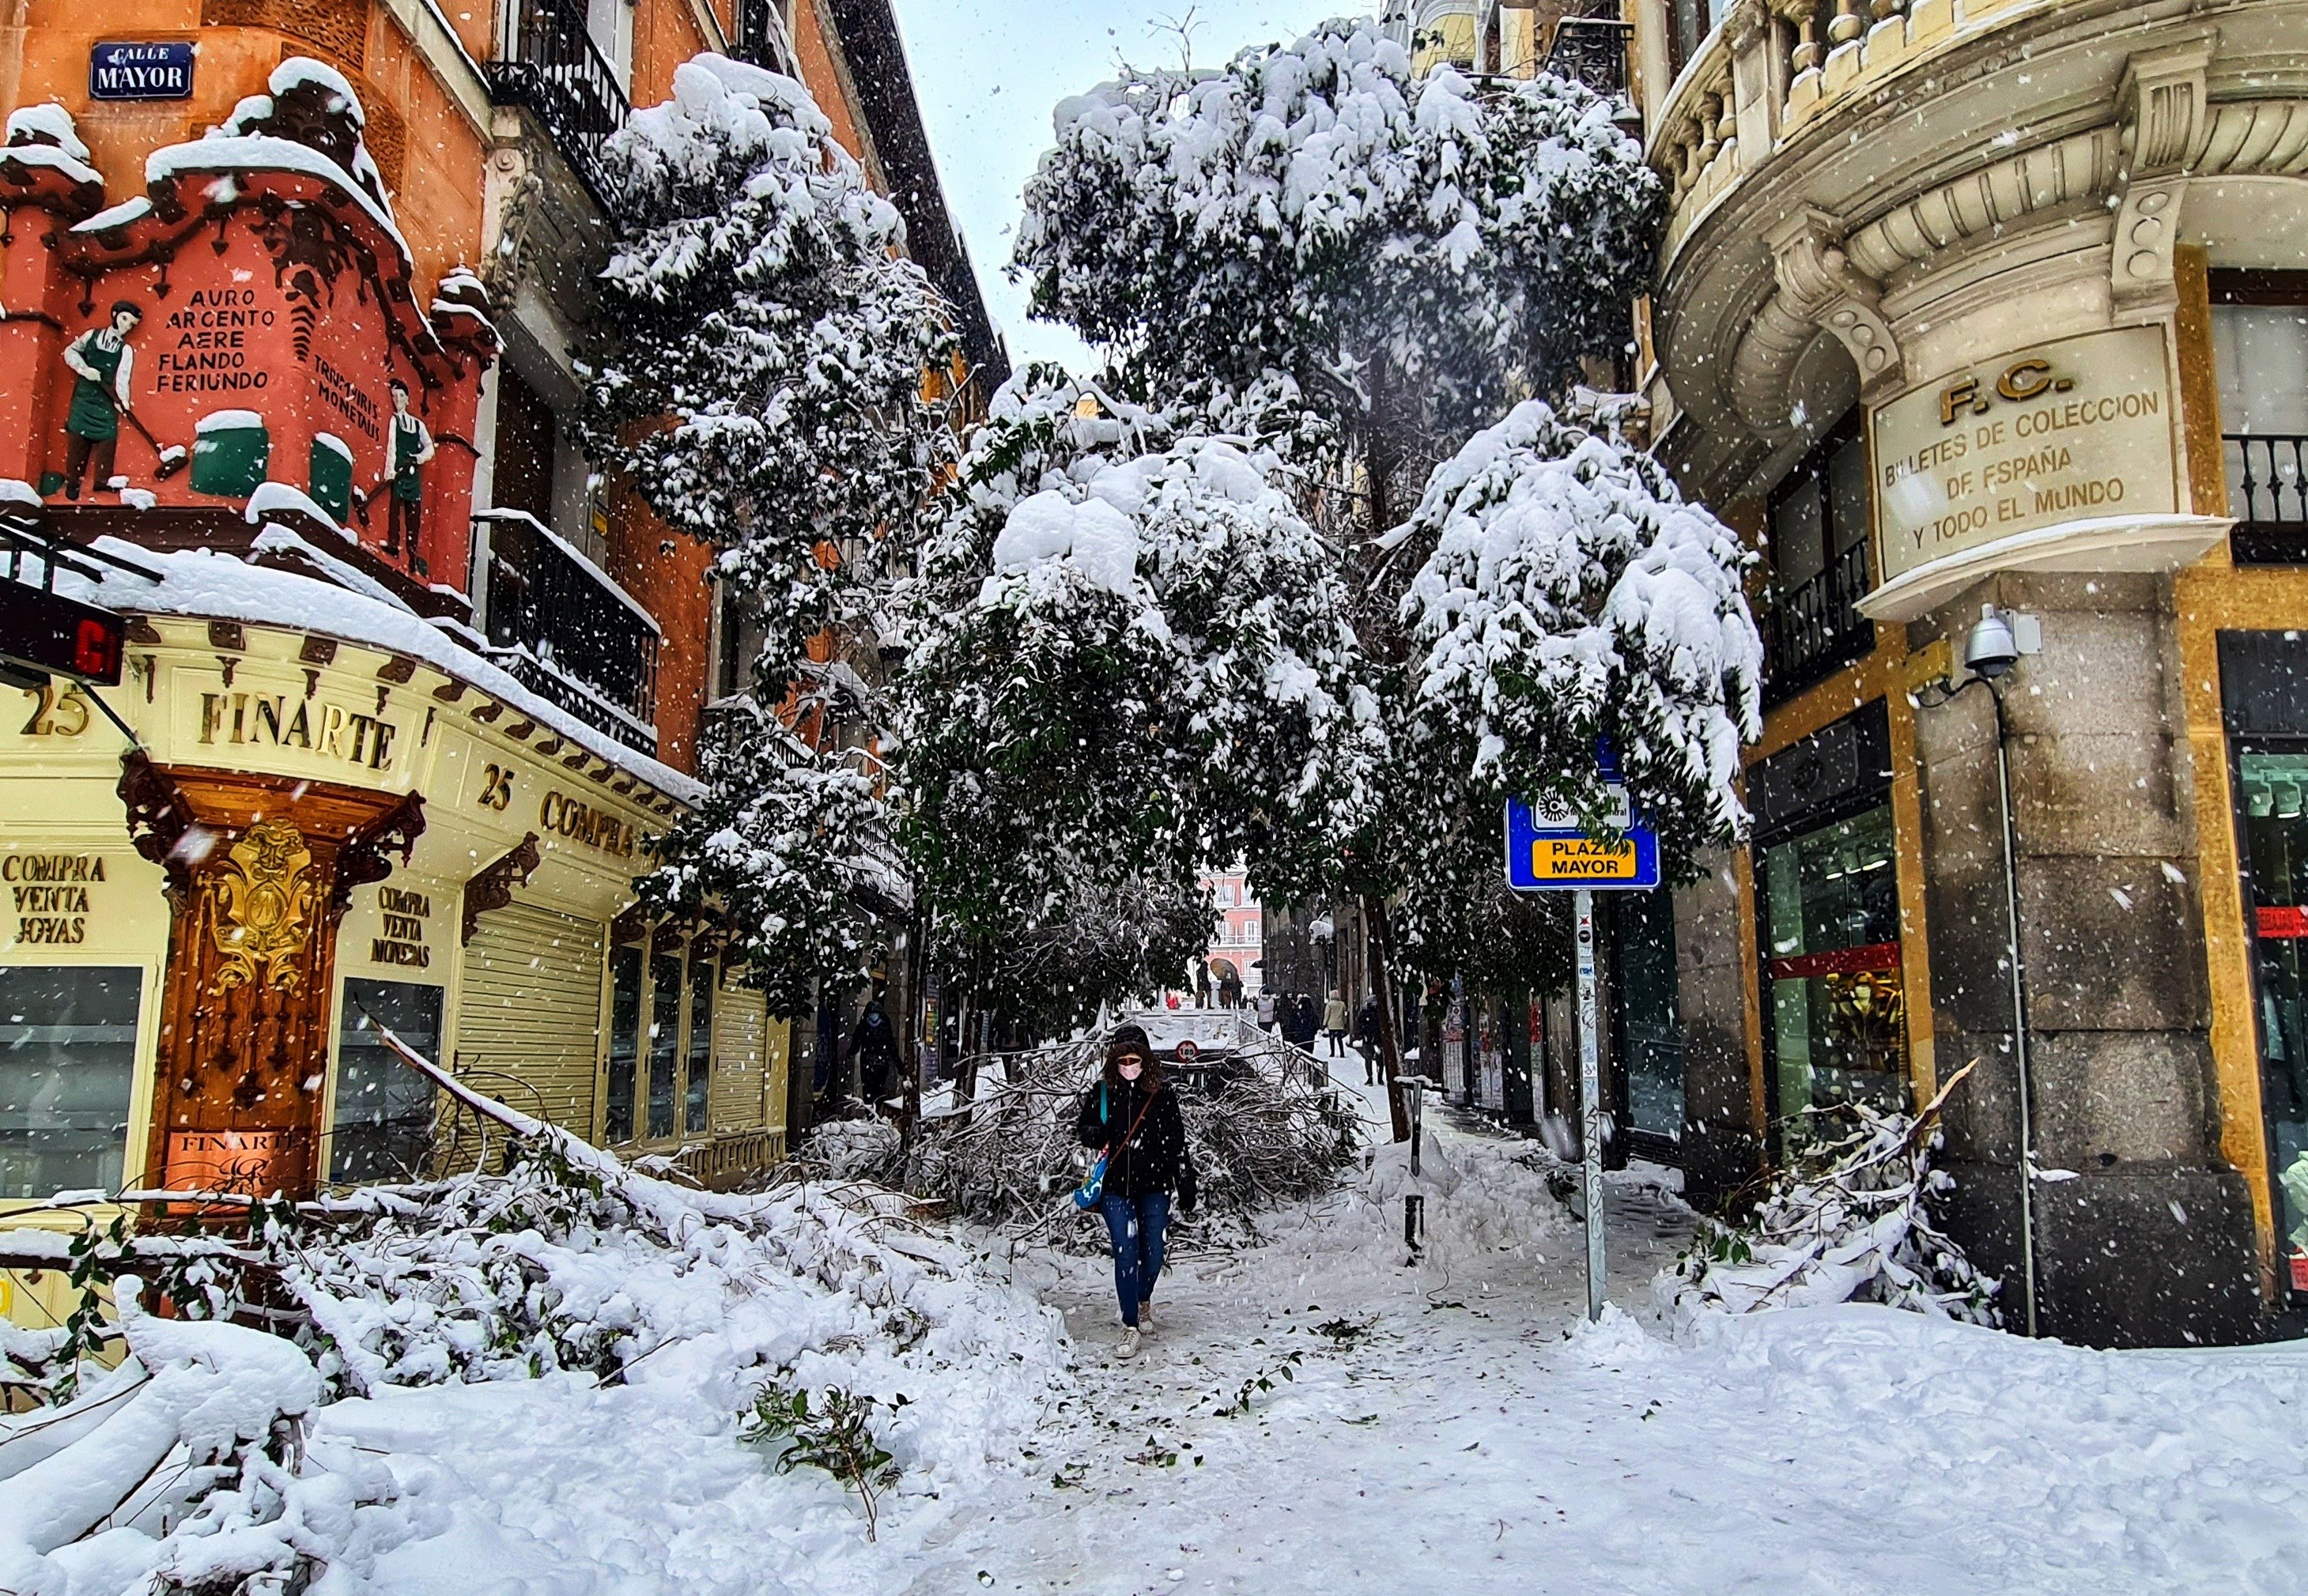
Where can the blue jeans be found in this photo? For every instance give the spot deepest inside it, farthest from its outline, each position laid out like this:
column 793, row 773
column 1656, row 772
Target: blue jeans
column 1136, row 1224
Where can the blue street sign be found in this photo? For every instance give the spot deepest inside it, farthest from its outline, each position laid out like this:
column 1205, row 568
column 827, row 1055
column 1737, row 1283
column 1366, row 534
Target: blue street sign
column 1550, row 852
column 163, row 71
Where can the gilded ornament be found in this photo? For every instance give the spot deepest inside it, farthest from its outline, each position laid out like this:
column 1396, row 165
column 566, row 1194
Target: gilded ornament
column 265, row 907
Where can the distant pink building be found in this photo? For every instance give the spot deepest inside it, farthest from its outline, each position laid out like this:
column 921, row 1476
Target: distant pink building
column 1241, row 932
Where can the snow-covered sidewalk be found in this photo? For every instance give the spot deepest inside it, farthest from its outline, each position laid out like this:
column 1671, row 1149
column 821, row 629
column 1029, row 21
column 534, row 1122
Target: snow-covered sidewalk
column 1457, row 1428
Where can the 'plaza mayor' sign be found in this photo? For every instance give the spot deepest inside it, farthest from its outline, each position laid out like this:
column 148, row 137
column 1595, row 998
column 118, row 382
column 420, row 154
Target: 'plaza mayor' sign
column 2077, row 430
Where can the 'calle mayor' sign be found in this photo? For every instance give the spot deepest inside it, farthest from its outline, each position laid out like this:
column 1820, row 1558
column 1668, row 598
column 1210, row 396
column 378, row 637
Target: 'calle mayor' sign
column 141, row 70
column 1550, row 853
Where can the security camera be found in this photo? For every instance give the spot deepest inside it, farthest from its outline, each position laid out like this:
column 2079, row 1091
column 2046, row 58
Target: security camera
column 1998, row 639
column 1990, row 650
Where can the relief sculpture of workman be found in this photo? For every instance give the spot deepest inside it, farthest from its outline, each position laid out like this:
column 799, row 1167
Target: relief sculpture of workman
column 103, row 364
column 411, row 447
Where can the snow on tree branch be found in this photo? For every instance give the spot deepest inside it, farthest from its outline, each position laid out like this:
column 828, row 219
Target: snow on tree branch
column 759, row 357
column 1569, row 594
column 1128, row 638
column 1315, row 209
column 784, row 849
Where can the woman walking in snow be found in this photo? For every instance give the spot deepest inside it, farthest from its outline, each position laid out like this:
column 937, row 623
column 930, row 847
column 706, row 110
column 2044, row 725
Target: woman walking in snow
column 1129, row 1115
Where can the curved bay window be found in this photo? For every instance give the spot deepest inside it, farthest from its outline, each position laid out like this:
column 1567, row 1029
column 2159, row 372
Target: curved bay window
column 385, row 1112
column 2264, row 694
column 1820, row 565
column 1827, row 905
column 661, row 1038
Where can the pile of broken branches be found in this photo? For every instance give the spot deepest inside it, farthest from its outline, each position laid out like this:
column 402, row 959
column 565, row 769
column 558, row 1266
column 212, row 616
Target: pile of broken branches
column 1262, row 1129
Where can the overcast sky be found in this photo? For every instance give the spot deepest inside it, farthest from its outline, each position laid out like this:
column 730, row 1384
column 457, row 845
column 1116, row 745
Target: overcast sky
column 988, row 73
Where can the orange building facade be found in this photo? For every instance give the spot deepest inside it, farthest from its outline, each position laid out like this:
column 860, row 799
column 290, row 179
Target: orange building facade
column 293, row 293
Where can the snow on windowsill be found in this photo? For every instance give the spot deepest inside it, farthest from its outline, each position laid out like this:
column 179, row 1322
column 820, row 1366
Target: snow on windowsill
column 118, row 216
column 55, row 159
column 278, row 498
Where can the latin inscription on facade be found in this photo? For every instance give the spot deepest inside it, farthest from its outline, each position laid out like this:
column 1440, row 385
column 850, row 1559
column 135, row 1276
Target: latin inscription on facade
column 2077, row 430
column 210, row 344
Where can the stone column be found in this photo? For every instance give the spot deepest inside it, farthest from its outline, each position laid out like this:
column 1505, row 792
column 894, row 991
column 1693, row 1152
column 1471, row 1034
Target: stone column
column 2143, row 1234
column 1720, row 1147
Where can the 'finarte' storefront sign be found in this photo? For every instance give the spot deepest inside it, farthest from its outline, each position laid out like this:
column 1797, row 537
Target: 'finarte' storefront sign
column 2077, row 430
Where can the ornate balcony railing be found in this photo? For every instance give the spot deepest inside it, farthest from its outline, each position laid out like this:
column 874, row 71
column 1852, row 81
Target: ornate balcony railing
column 1593, row 51
column 1815, row 630
column 564, row 628
column 2268, row 494
column 548, row 64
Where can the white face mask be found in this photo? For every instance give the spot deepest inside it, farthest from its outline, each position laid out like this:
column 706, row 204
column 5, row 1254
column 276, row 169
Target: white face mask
column 1129, row 1069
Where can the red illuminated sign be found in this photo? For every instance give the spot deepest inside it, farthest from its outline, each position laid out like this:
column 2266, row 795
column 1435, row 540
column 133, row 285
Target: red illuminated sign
column 44, row 634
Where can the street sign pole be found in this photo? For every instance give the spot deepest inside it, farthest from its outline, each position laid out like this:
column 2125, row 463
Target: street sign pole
column 1591, row 1093
column 1549, row 850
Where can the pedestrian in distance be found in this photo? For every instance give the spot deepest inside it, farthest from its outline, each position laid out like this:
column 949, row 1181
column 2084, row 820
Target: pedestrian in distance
column 1308, row 1021
column 1334, row 1023
column 1129, row 1114
column 874, row 1045
column 1367, row 1039
column 1265, row 1011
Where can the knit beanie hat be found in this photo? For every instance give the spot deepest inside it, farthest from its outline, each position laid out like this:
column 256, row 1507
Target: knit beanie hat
column 1128, row 1039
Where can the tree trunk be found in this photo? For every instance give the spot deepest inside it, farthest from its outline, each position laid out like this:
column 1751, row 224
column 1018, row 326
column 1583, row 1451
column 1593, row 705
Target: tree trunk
column 910, row 1055
column 1390, row 1041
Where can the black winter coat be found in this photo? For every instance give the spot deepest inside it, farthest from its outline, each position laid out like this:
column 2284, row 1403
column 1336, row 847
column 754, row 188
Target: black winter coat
column 1156, row 1158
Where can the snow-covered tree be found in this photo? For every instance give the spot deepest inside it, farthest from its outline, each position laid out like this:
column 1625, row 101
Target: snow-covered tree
column 1415, row 253
column 1569, row 598
column 757, row 369
column 784, row 847
column 1108, row 941
column 1128, row 652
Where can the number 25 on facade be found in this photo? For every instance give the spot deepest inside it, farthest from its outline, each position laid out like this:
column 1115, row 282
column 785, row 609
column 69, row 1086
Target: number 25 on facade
column 1553, row 859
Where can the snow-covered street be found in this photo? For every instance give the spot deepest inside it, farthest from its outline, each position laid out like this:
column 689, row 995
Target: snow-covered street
column 1314, row 1413
column 1457, row 1427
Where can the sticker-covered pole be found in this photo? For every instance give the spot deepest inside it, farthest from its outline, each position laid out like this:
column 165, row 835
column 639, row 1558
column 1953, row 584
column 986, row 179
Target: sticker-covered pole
column 1590, row 1099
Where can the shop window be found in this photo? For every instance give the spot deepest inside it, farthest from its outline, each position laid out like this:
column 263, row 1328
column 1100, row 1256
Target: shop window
column 1835, row 1009
column 697, row 1101
column 67, row 1060
column 2273, row 792
column 2259, row 351
column 384, row 1127
column 1649, row 1030
column 664, row 1039
column 625, row 1039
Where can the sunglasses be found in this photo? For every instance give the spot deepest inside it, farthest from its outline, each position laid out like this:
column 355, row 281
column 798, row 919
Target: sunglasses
column 1130, row 1062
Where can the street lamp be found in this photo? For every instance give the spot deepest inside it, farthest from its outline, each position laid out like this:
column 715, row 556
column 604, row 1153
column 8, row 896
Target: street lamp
column 1996, row 642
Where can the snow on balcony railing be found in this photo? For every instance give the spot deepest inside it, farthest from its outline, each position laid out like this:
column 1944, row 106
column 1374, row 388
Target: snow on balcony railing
column 556, row 621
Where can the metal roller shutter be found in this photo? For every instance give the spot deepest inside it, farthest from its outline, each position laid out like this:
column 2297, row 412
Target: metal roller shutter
column 740, row 1056
column 531, row 1009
